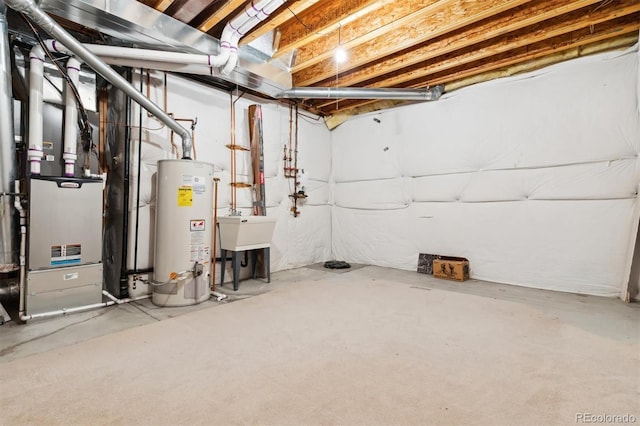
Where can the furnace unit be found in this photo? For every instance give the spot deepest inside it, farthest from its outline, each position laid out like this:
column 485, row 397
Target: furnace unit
column 64, row 258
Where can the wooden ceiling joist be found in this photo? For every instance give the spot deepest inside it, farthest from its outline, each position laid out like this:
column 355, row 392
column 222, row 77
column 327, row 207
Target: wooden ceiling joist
column 456, row 14
column 278, row 18
column 624, row 29
column 223, row 12
column 415, row 43
column 602, row 20
column 520, row 17
column 552, row 29
column 162, row 5
column 319, row 20
column 386, row 19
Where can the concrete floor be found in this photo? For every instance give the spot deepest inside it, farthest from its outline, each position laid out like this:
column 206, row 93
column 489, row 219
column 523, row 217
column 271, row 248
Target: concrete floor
column 366, row 346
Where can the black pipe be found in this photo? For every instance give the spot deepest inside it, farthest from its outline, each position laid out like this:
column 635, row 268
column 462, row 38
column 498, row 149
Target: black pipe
column 139, row 271
column 124, row 277
column 135, row 249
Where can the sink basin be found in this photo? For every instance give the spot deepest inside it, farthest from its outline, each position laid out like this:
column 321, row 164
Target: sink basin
column 245, row 232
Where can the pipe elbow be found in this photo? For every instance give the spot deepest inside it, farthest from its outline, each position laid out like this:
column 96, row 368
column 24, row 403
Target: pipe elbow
column 187, row 146
column 231, row 63
column 37, row 52
column 56, row 46
column 73, row 63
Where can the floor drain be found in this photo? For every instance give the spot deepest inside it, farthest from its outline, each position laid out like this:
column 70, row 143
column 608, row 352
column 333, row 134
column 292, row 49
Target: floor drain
column 336, row 264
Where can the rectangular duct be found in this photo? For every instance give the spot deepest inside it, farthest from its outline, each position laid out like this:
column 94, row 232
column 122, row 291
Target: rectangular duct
column 133, row 23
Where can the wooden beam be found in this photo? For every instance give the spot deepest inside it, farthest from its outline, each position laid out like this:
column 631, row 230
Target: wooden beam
column 162, row 5
column 552, row 29
column 575, row 39
column 520, row 17
column 220, row 14
column 619, row 42
column 452, row 15
column 386, row 19
column 186, row 10
column 278, row 19
column 602, row 19
column 320, row 19
column 615, row 34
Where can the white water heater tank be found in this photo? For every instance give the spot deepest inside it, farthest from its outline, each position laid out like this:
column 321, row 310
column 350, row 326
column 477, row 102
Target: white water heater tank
column 184, row 229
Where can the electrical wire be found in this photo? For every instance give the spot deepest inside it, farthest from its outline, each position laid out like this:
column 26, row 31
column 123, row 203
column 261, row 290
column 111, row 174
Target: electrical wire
column 305, row 25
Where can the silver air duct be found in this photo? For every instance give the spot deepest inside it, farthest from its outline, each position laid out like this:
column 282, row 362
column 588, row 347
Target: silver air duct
column 29, row 8
column 8, row 225
column 430, row 94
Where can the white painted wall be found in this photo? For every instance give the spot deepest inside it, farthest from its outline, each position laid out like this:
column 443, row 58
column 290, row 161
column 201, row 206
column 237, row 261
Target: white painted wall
column 532, row 178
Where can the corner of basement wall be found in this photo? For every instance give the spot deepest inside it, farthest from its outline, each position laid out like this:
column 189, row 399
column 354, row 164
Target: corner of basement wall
column 632, row 291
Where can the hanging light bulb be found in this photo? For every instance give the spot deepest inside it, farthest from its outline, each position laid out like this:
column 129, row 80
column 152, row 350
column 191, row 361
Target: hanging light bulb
column 340, row 55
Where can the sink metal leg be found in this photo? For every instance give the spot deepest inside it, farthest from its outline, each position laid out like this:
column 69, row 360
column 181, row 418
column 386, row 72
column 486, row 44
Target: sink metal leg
column 267, row 260
column 223, row 260
column 236, row 269
column 254, row 263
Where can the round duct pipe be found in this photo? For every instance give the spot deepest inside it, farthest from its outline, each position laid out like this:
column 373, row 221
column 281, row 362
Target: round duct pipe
column 429, row 94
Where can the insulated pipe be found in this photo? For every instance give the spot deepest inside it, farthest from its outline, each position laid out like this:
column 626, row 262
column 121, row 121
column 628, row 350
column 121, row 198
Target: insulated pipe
column 430, row 94
column 8, row 225
column 36, row 87
column 31, row 9
column 70, row 119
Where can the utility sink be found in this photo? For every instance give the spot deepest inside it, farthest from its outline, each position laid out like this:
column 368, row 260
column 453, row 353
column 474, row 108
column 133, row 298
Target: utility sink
column 239, row 233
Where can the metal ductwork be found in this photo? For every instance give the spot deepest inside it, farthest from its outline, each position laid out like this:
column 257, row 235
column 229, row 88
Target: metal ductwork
column 132, row 23
column 430, row 94
column 8, row 224
column 29, row 8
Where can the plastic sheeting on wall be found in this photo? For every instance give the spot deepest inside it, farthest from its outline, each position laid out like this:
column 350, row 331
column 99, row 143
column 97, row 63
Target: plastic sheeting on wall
column 532, row 178
column 296, row 241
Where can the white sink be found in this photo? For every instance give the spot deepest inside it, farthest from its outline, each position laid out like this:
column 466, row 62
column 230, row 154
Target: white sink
column 245, row 232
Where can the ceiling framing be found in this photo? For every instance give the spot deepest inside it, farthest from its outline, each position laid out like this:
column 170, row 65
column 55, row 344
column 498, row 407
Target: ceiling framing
column 418, row 43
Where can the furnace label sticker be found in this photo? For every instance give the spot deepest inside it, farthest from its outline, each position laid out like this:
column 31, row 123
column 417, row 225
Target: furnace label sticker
column 196, row 225
column 185, row 196
column 66, row 254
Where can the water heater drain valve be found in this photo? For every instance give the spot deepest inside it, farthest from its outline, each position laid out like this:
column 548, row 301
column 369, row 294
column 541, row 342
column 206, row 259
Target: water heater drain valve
column 198, row 269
